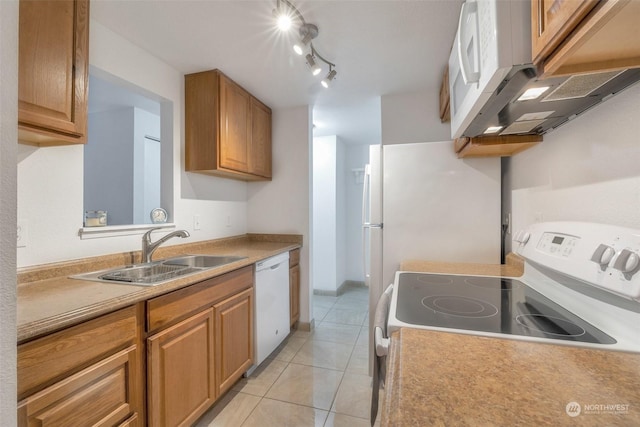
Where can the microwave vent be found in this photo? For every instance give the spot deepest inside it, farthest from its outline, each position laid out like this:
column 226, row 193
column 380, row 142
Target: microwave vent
column 581, row 85
column 521, row 127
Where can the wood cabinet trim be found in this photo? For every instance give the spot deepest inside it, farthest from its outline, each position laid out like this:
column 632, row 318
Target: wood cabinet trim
column 495, row 146
column 294, row 294
column 294, row 257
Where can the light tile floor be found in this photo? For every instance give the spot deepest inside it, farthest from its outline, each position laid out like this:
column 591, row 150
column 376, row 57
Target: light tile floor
column 317, row 378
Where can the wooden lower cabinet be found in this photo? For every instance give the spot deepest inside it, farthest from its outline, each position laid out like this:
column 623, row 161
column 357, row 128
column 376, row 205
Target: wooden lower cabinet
column 234, row 338
column 294, row 293
column 294, row 286
column 200, row 343
column 97, row 395
column 181, row 374
column 88, row 374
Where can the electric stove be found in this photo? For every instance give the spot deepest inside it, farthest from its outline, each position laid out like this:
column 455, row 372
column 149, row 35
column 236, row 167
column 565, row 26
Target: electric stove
column 579, row 288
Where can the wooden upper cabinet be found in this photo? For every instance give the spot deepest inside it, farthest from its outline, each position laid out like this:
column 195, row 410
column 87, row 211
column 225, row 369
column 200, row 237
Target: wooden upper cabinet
column 53, row 71
column 552, row 21
column 585, row 36
column 227, row 130
column 235, row 126
column 260, row 146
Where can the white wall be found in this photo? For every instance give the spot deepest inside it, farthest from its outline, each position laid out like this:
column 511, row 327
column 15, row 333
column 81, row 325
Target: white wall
column 52, row 177
column 586, row 170
column 357, row 157
column 8, row 148
column 413, row 117
column 283, row 205
column 324, row 214
column 341, row 212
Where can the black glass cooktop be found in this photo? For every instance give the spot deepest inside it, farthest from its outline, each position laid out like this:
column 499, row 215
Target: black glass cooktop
column 488, row 304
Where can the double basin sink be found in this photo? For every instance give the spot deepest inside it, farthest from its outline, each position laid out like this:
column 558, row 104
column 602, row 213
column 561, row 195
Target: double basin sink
column 157, row 272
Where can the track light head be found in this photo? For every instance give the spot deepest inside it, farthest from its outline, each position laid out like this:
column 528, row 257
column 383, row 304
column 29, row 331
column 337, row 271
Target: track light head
column 284, row 22
column 327, row 80
column 313, row 65
column 307, row 32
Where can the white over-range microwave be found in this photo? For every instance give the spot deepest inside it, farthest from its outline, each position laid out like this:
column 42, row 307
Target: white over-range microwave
column 492, row 37
column 491, row 76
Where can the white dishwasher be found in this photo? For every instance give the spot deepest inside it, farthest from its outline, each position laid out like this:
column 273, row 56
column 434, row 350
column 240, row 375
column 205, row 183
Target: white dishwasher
column 272, row 304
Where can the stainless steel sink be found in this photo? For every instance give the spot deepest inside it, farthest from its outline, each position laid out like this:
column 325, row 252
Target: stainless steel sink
column 201, row 261
column 147, row 273
column 157, row 272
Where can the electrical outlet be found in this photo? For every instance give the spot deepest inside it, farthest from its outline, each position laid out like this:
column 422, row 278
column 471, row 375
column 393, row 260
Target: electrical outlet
column 538, row 217
column 22, row 233
column 228, row 221
column 196, row 222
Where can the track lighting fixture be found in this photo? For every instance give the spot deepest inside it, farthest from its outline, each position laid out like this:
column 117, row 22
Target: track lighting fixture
column 307, row 32
column 287, row 16
column 315, row 68
column 330, row 76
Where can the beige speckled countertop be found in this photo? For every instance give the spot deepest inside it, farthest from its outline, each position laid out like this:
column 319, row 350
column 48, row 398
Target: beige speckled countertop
column 441, row 379
column 49, row 300
column 514, row 267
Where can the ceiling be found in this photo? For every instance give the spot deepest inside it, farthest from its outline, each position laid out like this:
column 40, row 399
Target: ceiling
column 379, row 48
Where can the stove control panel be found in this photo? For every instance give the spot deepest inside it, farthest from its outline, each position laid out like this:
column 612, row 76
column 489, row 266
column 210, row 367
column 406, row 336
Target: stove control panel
column 557, row 244
column 604, row 256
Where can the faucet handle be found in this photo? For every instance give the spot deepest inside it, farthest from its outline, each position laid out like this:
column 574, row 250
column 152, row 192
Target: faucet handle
column 147, row 235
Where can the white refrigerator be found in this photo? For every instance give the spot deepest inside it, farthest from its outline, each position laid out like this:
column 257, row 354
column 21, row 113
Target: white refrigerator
column 420, row 202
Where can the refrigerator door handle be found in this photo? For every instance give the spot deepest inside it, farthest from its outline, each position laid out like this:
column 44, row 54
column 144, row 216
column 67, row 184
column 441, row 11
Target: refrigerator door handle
column 369, row 225
column 365, row 197
column 365, row 192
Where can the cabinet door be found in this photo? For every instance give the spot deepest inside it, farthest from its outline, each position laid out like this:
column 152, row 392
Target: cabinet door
column 552, row 21
column 235, row 126
column 260, row 147
column 98, row 395
column 294, row 293
column 234, row 338
column 181, row 377
column 53, row 71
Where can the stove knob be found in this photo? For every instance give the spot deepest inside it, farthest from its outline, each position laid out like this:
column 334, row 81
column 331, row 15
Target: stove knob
column 627, row 262
column 603, row 255
column 632, row 263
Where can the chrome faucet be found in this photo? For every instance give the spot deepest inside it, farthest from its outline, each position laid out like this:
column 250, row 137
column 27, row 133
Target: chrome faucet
column 148, row 248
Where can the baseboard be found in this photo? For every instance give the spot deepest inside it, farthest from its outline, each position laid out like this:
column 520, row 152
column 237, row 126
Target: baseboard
column 341, row 289
column 306, row 326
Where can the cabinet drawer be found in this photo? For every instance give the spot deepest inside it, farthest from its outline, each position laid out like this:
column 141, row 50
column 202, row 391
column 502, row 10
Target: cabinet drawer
column 48, row 359
column 294, row 257
column 178, row 305
column 98, row 395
